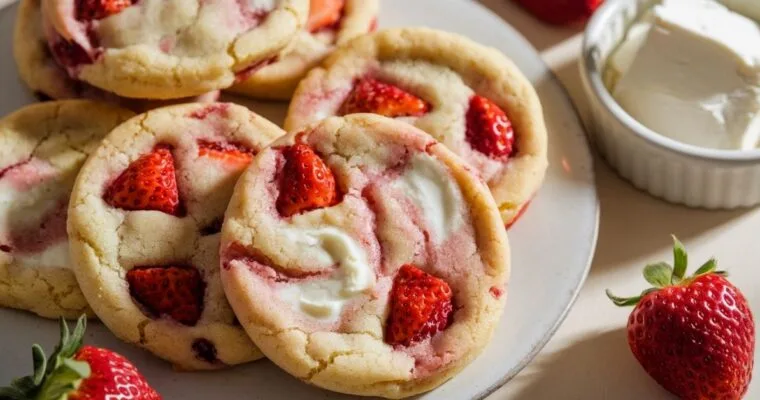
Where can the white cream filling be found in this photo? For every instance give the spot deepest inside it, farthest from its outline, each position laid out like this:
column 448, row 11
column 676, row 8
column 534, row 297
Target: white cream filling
column 325, row 298
column 428, row 184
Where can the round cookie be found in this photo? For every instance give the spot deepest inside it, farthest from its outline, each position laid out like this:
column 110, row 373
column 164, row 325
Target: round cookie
column 48, row 80
column 279, row 80
column 469, row 97
column 145, row 216
column 166, row 49
column 364, row 257
column 42, row 147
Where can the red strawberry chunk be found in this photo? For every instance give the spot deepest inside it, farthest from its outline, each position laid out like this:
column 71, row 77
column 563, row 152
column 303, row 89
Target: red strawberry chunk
column 420, row 307
column 111, row 376
column 176, row 292
column 324, row 14
column 373, row 96
column 235, row 155
column 489, row 131
column 307, row 183
column 69, row 54
column 560, row 12
column 149, row 183
column 88, row 10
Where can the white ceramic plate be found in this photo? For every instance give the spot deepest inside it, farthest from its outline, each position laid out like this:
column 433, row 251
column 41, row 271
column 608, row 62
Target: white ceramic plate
column 552, row 245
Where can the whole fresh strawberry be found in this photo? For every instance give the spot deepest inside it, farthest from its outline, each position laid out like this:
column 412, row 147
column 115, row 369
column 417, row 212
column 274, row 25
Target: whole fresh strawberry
column 694, row 335
column 489, row 131
column 77, row 372
column 373, row 96
column 561, row 12
column 149, row 183
column 420, row 306
column 307, row 183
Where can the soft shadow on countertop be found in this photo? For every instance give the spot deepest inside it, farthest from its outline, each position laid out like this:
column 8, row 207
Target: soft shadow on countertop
column 597, row 367
column 524, row 22
column 643, row 222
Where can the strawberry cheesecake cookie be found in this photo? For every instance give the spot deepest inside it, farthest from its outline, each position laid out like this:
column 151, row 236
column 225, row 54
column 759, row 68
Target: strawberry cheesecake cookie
column 145, row 216
column 469, row 97
column 167, row 49
column 330, row 23
column 364, row 257
column 48, row 80
column 42, row 148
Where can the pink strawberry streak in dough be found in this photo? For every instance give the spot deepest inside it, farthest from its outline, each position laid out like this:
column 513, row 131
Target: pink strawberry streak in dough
column 51, row 227
column 71, row 88
column 242, row 18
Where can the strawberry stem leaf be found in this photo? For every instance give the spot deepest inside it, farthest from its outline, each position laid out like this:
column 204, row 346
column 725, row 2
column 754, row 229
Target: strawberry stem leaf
column 40, row 364
column 680, row 261
column 623, row 301
column 707, row 267
column 659, row 274
column 56, row 376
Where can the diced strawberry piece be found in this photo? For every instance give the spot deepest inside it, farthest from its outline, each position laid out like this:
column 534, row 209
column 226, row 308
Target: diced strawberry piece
column 372, row 96
column 149, row 183
column 489, row 131
column 324, row 14
column 235, row 155
column 307, row 183
column 176, row 292
column 88, row 10
column 69, row 54
column 420, row 306
column 560, row 12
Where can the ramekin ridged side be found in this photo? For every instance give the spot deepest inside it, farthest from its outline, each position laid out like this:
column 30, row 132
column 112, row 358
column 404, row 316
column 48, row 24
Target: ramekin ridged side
column 667, row 169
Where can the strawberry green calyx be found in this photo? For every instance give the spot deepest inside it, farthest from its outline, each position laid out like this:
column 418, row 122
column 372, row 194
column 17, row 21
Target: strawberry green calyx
column 661, row 275
column 57, row 376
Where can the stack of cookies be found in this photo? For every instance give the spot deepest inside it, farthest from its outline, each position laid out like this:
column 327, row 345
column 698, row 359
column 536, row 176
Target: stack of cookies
column 362, row 247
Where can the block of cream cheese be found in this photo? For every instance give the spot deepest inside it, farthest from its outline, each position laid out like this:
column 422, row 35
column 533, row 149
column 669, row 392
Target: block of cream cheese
column 690, row 70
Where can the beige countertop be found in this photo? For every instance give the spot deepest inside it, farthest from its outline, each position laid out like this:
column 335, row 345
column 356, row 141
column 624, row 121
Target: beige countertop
column 588, row 358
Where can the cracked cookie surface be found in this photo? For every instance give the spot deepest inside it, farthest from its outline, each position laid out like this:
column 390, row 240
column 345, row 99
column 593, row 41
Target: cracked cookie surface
column 40, row 72
column 145, row 215
column 165, row 49
column 42, row 148
column 444, row 72
column 313, row 287
column 279, row 80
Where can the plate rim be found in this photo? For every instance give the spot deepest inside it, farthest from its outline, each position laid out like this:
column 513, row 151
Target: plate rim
column 550, row 333
column 541, row 343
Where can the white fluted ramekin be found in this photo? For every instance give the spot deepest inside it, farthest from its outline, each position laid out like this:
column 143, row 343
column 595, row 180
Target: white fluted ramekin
column 674, row 171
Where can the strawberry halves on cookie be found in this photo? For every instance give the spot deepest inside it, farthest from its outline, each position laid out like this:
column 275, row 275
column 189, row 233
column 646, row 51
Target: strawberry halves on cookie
column 420, row 307
column 77, row 372
column 695, row 335
column 149, row 183
column 176, row 292
column 489, row 131
column 373, row 96
column 324, row 14
column 307, row 183
column 234, row 155
column 88, row 10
